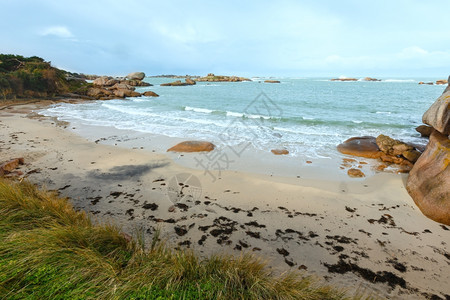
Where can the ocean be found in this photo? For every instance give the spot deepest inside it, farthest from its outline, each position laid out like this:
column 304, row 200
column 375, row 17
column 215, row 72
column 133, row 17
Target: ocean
column 306, row 116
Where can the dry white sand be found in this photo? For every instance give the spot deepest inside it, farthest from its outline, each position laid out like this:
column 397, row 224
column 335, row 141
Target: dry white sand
column 360, row 234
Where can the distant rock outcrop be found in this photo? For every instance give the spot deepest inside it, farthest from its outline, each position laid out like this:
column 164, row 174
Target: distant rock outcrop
column 187, row 81
column 271, row 81
column 217, row 78
column 371, row 79
column 344, row 79
column 428, row 182
column 192, row 146
column 442, row 81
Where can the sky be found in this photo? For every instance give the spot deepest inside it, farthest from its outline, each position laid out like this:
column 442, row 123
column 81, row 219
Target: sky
column 403, row 38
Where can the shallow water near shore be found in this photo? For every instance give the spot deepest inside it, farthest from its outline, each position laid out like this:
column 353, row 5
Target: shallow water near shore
column 306, row 116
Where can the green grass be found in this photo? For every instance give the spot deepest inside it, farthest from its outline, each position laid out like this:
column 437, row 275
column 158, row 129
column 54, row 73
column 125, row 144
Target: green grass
column 50, row 251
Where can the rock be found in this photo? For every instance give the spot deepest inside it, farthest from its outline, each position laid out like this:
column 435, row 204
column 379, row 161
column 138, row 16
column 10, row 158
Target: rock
column 442, row 81
column 279, row 151
column 175, row 83
column 429, row 83
column 391, row 146
column 122, row 86
column 150, row 94
column 136, row 83
column 111, row 82
column 447, row 89
column 136, row 76
column 355, row 173
column 438, row 115
column 9, row 166
column 424, row 130
column 371, row 79
column 98, row 92
column 344, row 79
column 101, row 80
column 391, row 159
column 192, row 146
column 271, row 81
column 122, row 93
column 190, row 81
column 364, row 146
column 216, row 78
column 411, row 155
column 381, row 167
column 428, row 182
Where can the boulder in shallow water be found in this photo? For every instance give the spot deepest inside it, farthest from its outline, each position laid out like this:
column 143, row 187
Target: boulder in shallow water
column 271, row 81
column 438, row 115
column 429, row 180
column 192, row 146
column 364, row 146
column 355, row 173
column 189, row 81
column 424, row 130
column 122, row 93
column 279, row 151
column 150, row 94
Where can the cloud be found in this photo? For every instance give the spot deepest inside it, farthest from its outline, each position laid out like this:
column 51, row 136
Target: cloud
column 58, row 31
column 412, row 52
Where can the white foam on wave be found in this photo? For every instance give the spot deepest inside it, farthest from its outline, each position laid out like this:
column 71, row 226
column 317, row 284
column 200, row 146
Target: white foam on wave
column 249, row 116
column 197, row 109
column 357, row 121
column 383, row 112
column 307, row 118
column 129, row 111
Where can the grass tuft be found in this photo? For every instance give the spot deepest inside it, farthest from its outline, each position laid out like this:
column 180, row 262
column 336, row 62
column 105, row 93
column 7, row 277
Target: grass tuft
column 50, row 251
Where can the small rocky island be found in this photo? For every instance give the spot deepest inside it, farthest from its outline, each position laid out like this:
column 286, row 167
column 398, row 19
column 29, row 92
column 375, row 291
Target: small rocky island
column 220, row 78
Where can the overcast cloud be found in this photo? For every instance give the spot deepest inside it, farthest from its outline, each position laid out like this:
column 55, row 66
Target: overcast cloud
column 290, row 38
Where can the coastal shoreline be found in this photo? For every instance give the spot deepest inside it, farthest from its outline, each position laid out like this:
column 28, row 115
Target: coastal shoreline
column 308, row 224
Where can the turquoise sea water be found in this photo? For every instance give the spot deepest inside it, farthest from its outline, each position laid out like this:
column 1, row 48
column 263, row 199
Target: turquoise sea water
column 307, row 116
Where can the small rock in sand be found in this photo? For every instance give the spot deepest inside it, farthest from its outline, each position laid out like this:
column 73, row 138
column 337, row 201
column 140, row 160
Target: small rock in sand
column 355, row 173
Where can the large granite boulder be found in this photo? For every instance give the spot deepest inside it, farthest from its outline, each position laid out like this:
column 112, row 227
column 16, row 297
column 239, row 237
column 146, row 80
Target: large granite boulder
column 136, row 76
column 101, row 81
column 192, row 146
column 364, row 146
column 429, row 180
column 438, row 115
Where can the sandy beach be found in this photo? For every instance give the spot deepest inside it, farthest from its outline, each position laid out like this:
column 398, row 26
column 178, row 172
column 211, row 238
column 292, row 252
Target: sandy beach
column 347, row 230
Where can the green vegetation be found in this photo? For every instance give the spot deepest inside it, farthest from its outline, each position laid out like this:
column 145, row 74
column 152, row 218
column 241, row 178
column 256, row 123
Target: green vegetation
column 32, row 77
column 50, row 251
